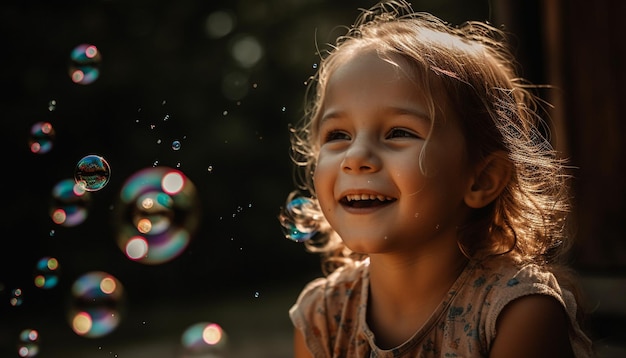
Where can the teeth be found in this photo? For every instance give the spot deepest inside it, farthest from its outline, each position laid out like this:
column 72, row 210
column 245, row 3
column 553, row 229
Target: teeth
column 355, row 197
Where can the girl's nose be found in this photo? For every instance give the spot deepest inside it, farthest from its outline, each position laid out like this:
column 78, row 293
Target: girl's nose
column 360, row 157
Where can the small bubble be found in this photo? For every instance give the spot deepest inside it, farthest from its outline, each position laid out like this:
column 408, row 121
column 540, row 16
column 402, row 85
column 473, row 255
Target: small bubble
column 41, row 139
column 85, row 64
column 28, row 345
column 52, row 105
column 210, row 169
column 176, row 145
column 92, row 173
column 46, row 275
column 16, row 297
column 256, row 294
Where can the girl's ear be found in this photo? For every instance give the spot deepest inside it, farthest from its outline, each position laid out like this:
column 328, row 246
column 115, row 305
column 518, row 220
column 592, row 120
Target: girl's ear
column 491, row 177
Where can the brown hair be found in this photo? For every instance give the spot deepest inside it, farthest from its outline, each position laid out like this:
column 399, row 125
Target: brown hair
column 472, row 66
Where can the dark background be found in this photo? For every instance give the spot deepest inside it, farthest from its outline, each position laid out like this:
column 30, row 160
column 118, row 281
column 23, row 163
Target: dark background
column 159, row 61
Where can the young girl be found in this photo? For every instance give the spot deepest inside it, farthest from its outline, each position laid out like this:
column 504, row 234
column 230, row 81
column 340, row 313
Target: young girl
column 434, row 197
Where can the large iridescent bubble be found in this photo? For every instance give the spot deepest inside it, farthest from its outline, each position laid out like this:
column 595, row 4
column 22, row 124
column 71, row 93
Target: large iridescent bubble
column 157, row 215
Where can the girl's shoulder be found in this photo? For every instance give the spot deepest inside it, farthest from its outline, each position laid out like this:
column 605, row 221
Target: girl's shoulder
column 326, row 303
column 500, row 272
column 342, row 282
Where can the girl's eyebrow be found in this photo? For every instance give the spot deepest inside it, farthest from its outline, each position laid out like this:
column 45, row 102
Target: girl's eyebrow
column 390, row 110
column 412, row 111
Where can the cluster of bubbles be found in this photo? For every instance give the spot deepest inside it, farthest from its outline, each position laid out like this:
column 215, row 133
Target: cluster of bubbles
column 157, row 215
column 157, row 210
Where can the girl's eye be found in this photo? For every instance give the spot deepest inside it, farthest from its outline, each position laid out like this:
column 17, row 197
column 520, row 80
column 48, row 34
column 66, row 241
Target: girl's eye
column 401, row 133
column 336, row 135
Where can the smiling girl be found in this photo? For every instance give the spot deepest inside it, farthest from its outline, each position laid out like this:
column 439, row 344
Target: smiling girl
column 439, row 204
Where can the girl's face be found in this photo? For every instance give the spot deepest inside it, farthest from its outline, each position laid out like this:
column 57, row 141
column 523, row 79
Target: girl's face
column 368, row 180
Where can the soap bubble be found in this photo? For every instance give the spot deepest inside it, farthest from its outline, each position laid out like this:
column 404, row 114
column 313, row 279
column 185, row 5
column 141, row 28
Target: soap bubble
column 47, row 271
column 69, row 203
column 299, row 220
column 157, row 216
column 28, row 344
column 17, row 297
column 41, row 138
column 92, row 173
column 97, row 303
column 203, row 338
column 85, row 61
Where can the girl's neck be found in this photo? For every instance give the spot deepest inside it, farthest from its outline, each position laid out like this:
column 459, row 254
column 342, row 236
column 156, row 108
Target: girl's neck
column 404, row 292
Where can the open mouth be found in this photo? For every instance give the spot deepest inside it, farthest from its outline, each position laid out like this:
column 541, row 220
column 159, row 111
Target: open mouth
column 365, row 200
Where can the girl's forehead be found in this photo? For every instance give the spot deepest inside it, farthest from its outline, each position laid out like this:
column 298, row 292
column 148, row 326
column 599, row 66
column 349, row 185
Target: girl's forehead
column 374, row 69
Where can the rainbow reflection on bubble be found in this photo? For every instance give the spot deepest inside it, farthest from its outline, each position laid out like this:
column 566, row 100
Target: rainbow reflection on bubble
column 17, row 297
column 47, row 271
column 41, row 138
column 85, row 61
column 296, row 221
column 157, row 216
column 96, row 305
column 28, row 343
column 69, row 203
column 92, row 172
column 203, row 338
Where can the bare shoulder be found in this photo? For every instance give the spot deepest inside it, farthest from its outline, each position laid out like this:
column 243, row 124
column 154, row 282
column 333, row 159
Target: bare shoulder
column 532, row 326
column 299, row 345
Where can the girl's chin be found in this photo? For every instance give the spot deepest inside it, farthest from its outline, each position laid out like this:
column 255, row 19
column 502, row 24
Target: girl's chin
column 367, row 245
